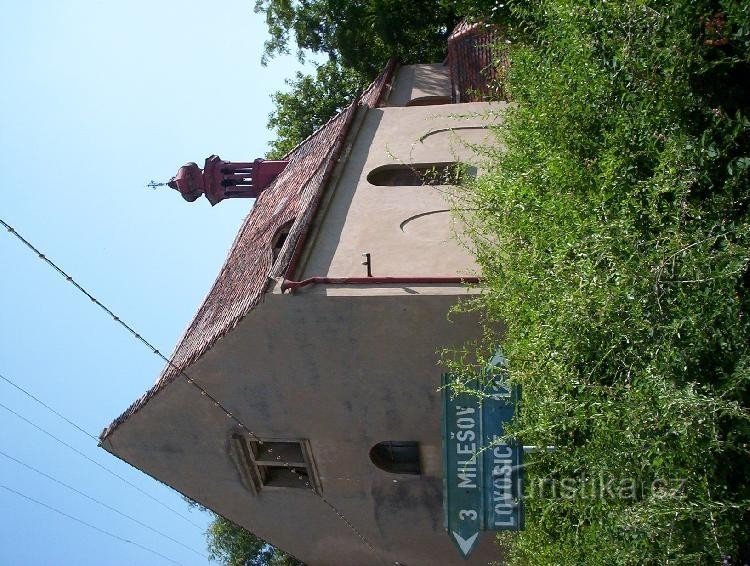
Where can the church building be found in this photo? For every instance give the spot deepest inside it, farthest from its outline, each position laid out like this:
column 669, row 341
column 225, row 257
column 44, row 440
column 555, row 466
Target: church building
column 302, row 402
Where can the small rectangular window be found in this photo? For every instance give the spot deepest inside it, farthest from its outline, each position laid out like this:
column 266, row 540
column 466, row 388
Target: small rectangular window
column 275, row 463
column 284, row 477
column 273, row 453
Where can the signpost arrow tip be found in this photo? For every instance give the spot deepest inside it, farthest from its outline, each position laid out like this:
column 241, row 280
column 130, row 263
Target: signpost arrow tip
column 465, row 544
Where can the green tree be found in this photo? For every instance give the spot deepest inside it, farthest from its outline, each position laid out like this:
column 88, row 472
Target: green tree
column 360, row 34
column 613, row 231
column 232, row 545
column 359, row 37
column 309, row 103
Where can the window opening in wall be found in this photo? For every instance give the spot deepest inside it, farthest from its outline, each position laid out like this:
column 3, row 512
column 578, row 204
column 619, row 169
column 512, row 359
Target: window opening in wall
column 396, row 456
column 429, row 101
column 275, row 464
column 417, row 174
column 280, row 237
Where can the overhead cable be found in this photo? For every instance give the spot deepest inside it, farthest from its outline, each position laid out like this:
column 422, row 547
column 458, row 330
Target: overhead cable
column 188, row 379
column 98, row 502
column 89, row 525
column 102, row 466
column 43, row 404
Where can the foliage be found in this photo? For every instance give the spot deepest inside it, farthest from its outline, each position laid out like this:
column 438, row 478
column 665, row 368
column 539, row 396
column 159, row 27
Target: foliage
column 613, row 231
column 359, row 38
column 232, row 545
column 360, row 34
column 310, row 102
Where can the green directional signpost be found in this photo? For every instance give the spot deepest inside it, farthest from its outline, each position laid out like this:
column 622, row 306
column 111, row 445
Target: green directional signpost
column 482, row 482
column 463, row 473
column 502, row 463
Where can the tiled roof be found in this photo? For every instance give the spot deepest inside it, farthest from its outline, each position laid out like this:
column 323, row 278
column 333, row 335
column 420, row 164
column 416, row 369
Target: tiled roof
column 243, row 279
column 475, row 62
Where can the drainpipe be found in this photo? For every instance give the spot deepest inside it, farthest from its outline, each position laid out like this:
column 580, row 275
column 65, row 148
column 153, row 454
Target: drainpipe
column 300, row 243
column 292, row 286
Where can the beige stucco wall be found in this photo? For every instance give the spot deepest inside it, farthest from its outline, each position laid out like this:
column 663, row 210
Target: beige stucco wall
column 408, row 230
column 344, row 373
column 413, row 82
column 342, row 366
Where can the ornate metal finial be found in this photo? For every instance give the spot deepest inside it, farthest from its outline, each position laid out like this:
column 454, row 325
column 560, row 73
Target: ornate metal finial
column 153, row 184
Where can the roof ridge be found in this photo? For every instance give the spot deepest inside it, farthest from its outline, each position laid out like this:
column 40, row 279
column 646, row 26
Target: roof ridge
column 357, row 99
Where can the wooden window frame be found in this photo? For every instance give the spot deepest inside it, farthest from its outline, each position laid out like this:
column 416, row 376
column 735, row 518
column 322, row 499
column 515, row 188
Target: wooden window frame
column 261, row 470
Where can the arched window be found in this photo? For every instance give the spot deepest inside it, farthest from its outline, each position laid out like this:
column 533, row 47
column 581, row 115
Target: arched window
column 429, row 101
column 416, row 174
column 396, row 456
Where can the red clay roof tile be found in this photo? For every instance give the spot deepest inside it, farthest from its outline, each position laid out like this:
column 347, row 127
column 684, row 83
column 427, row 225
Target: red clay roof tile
column 243, row 279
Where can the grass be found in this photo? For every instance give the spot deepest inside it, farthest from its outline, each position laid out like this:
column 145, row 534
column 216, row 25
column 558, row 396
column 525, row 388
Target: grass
column 614, row 234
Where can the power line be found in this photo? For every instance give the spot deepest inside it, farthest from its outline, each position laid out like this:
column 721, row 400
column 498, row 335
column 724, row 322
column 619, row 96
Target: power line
column 81, row 521
column 102, row 466
column 43, row 404
column 74, row 425
column 106, row 506
column 91, row 297
column 181, row 372
column 84, row 431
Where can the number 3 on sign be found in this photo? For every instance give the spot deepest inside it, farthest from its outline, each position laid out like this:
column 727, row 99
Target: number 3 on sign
column 470, row 514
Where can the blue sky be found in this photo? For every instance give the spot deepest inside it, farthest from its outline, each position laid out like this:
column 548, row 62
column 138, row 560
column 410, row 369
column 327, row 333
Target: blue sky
column 98, row 98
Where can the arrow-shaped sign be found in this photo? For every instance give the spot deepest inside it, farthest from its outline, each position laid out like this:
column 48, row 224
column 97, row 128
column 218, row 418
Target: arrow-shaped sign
column 464, row 544
column 463, row 473
column 503, row 463
column 482, row 477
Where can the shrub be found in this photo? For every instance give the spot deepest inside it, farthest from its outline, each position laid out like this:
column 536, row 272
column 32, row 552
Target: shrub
column 614, row 236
